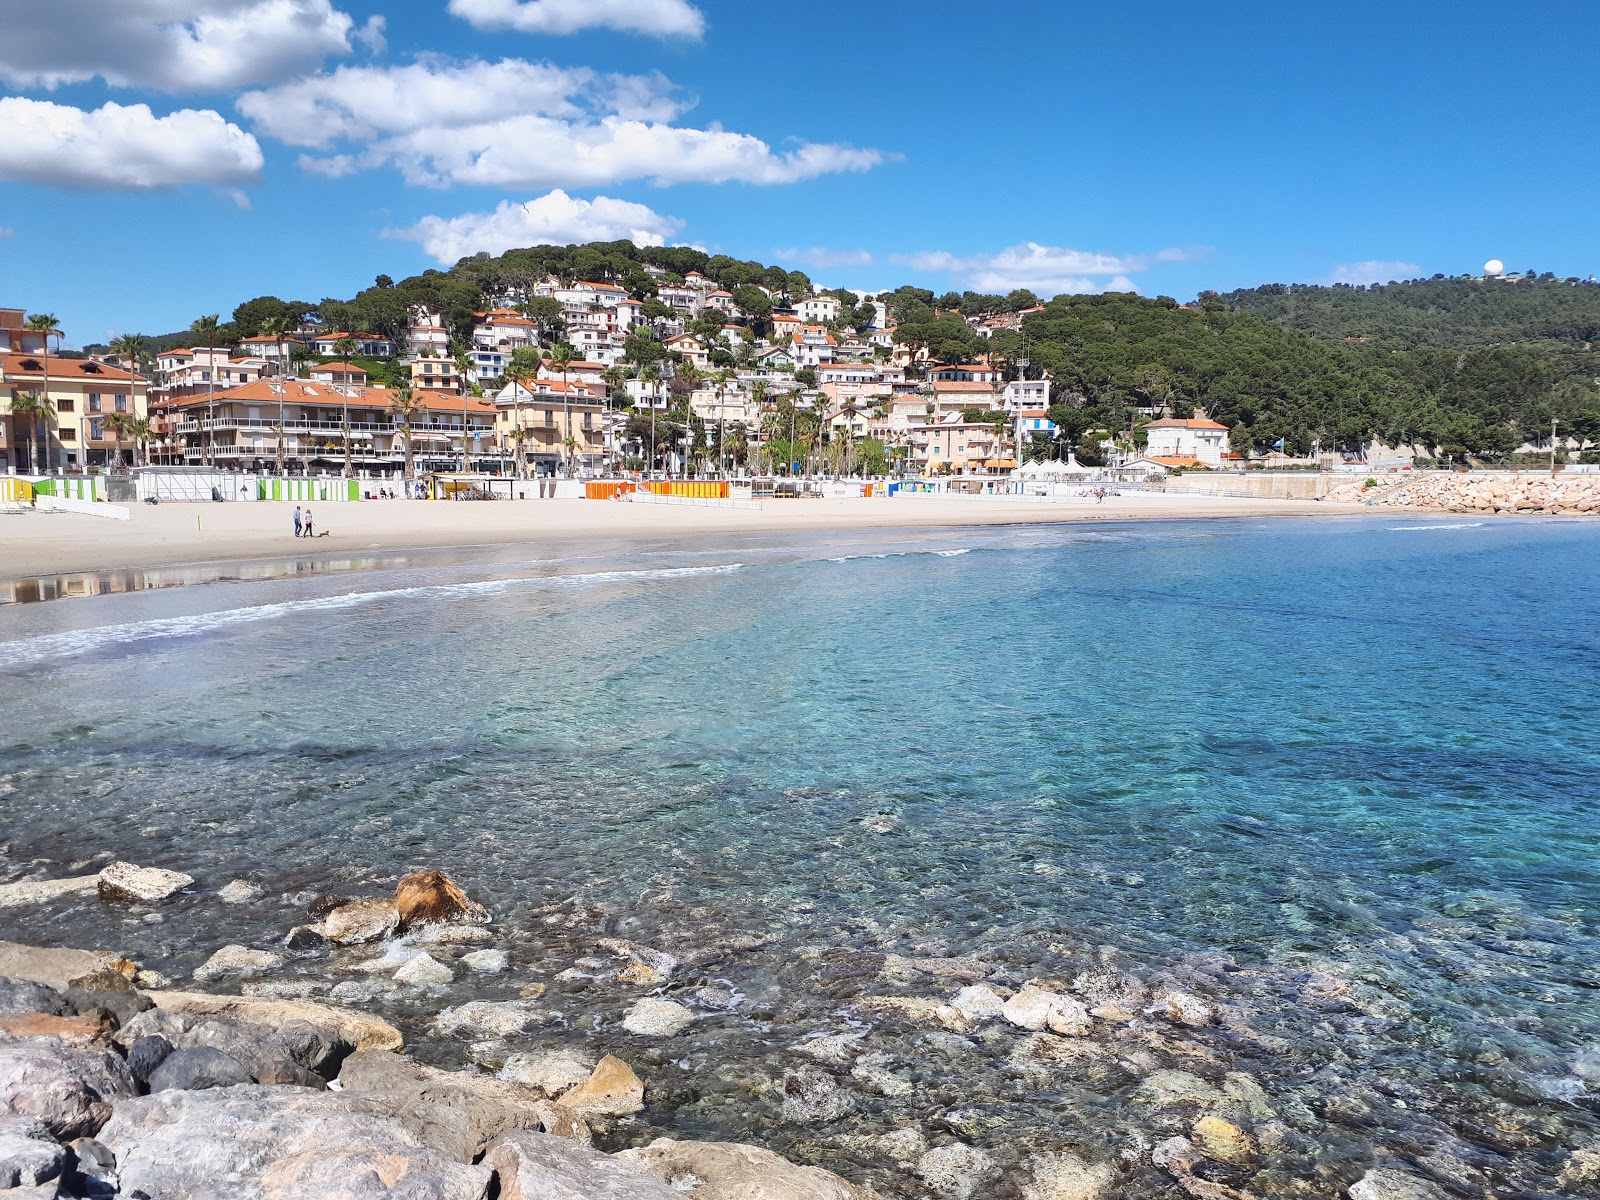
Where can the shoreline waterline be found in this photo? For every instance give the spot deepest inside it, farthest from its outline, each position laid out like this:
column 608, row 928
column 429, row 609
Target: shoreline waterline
column 40, row 546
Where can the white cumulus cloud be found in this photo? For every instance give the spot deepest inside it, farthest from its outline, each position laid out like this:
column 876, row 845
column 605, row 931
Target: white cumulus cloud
column 1043, row 270
column 175, row 45
column 552, row 219
column 122, row 147
column 514, row 124
column 1374, row 270
column 658, row 18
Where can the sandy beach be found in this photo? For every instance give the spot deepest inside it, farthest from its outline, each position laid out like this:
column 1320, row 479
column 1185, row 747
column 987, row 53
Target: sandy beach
column 35, row 544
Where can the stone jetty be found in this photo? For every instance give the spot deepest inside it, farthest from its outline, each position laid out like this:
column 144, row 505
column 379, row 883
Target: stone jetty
column 1533, row 494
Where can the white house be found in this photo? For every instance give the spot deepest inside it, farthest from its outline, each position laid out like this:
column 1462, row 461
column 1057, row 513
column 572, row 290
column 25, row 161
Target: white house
column 818, row 310
column 367, row 344
column 1025, row 395
column 1198, row 438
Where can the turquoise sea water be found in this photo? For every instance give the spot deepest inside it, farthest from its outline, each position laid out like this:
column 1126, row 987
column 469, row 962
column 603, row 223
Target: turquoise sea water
column 1338, row 777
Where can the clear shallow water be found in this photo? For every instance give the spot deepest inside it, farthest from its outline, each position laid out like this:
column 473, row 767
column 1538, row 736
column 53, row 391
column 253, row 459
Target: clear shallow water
column 1338, row 777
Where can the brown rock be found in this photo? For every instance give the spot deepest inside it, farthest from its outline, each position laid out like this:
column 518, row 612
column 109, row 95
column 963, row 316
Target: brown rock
column 81, row 1032
column 432, row 898
column 96, row 970
column 612, row 1090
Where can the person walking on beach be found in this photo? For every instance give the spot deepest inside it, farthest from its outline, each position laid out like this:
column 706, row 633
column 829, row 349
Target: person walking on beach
column 297, row 520
column 308, row 524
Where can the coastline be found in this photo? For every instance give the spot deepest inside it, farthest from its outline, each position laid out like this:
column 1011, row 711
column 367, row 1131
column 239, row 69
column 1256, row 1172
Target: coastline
column 171, row 535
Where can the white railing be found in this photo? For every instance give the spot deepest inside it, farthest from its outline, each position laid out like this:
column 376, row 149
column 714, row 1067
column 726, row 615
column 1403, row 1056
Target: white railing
column 691, row 501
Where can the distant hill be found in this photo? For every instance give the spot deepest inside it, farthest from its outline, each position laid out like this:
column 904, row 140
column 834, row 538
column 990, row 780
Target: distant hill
column 1463, row 313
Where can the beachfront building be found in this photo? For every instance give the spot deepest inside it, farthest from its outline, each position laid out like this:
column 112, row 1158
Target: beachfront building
column 554, row 427
column 70, row 434
column 320, row 420
column 435, row 373
column 337, row 372
column 1198, row 438
column 953, row 445
column 16, row 337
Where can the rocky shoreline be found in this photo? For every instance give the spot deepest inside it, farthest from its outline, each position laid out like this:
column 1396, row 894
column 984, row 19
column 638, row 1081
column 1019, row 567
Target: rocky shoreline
column 1533, row 494
column 284, row 1084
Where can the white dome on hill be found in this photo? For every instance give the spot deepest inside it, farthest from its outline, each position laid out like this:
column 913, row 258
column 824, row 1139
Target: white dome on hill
column 1494, row 267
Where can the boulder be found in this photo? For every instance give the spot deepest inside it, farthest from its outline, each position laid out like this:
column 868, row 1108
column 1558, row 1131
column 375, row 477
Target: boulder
column 1030, row 1008
column 551, row 1073
column 978, row 1002
column 24, row 996
column 432, row 898
column 612, row 1090
column 359, row 922
column 237, row 960
column 492, row 1106
column 43, row 891
column 146, row 1053
column 1185, row 1008
column 424, row 971
column 811, row 1096
column 28, row 1156
column 197, row 1068
column 490, row 1018
column 1385, row 1183
column 358, row 1030
column 294, row 1051
column 271, row 1143
column 64, row 969
column 657, row 1018
column 956, row 1170
column 128, row 884
column 67, row 1090
column 731, row 1171
column 646, row 967
column 1111, row 988
column 534, row 1166
column 1064, row 1176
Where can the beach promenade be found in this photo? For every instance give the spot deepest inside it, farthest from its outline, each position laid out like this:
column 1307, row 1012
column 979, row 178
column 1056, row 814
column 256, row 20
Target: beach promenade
column 34, row 544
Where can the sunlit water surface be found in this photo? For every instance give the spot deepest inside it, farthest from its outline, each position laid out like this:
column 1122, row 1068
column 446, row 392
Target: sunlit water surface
column 1338, row 777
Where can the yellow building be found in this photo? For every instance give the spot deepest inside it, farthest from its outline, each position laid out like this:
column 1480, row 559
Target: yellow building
column 71, row 434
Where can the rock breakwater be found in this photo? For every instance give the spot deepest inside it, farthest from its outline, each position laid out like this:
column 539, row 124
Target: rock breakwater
column 1532, row 494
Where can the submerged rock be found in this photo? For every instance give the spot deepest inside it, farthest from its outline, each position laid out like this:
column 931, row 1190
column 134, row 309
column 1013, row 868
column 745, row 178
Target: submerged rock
column 956, row 1170
column 731, row 1171
column 1064, row 1176
column 145, row 885
column 237, row 960
column 811, row 1096
column 1384, row 1183
column 533, row 1166
column 432, row 898
column 238, row 892
column 1223, row 1140
column 978, row 1002
column 489, row 1018
column 43, row 891
column 486, row 962
column 424, row 970
column 647, row 967
column 657, row 1018
column 277, row 1143
column 1185, row 1008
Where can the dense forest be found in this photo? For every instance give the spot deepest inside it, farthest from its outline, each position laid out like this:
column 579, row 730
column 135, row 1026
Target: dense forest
column 1463, row 367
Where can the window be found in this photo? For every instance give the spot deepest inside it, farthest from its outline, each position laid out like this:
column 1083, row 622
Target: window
column 97, row 429
column 122, row 402
column 63, row 406
column 94, row 402
column 67, row 435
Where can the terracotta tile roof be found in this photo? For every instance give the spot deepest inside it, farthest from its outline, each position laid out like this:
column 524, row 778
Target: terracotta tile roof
column 1174, row 423
column 63, row 368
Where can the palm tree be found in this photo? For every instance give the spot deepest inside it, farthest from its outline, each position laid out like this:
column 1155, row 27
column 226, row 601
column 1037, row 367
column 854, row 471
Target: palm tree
column 570, row 445
column 344, row 428
column 277, row 427
column 131, row 348
column 651, row 374
column 561, row 358
column 46, row 323
column 207, row 333
column 403, row 406
column 141, row 439
column 35, row 407
column 118, row 425
column 345, row 348
column 468, row 388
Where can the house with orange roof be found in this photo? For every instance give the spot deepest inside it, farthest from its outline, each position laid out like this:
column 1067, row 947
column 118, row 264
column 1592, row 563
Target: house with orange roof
column 337, row 372
column 1198, row 438
column 692, row 349
column 551, row 424
column 812, row 345
column 81, row 393
column 15, row 336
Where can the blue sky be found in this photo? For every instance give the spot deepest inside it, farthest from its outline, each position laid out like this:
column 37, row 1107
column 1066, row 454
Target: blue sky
column 301, row 147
